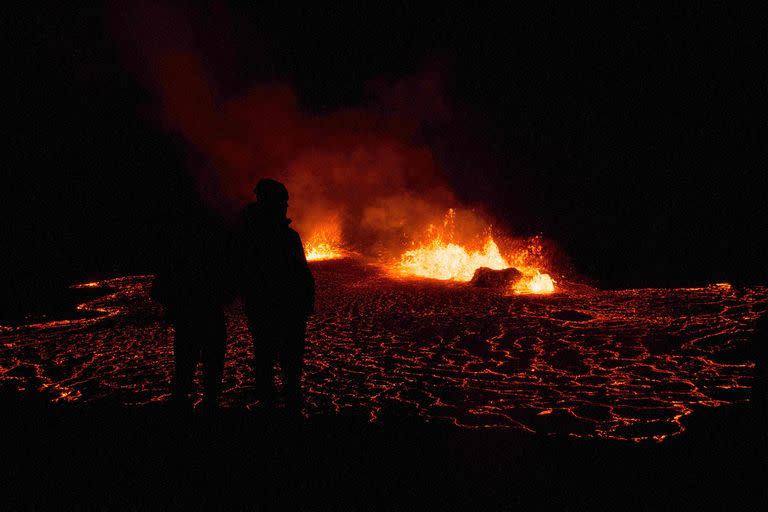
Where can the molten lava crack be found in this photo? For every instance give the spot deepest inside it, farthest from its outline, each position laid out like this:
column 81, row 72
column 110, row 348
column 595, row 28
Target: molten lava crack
column 626, row 364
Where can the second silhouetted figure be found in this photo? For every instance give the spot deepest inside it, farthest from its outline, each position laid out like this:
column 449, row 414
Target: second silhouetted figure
column 278, row 290
column 193, row 283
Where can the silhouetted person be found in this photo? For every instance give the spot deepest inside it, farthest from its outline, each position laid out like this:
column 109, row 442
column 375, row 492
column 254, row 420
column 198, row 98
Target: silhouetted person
column 278, row 291
column 193, row 284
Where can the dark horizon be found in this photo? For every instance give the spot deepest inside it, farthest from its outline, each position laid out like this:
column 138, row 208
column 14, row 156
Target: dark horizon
column 630, row 138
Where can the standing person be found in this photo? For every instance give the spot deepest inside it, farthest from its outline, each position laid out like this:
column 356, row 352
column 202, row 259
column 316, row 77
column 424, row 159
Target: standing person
column 193, row 284
column 278, row 291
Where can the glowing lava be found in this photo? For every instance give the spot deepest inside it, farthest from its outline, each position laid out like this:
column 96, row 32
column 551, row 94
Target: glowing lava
column 442, row 258
column 325, row 244
column 536, row 283
column 619, row 364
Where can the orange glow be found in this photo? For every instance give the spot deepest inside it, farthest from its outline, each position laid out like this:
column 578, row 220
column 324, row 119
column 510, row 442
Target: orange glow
column 441, row 260
column 325, row 244
column 441, row 257
column 92, row 284
column 536, row 283
column 106, row 359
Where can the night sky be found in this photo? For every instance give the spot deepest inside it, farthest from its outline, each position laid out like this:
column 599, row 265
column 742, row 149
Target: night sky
column 632, row 137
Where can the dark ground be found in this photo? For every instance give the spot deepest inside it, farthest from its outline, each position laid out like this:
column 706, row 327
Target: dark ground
column 59, row 456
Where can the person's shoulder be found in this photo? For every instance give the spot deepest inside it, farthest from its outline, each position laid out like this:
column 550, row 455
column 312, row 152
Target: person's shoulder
column 294, row 237
column 293, row 234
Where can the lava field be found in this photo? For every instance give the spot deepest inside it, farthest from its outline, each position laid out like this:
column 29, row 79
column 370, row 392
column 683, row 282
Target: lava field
column 628, row 364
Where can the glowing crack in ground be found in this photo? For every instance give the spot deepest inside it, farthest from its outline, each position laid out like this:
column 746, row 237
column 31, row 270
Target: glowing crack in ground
column 617, row 364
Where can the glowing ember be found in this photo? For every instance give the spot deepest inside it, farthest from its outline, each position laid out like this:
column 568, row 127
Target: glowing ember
column 324, row 244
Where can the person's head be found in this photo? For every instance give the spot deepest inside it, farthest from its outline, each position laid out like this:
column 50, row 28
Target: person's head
column 272, row 195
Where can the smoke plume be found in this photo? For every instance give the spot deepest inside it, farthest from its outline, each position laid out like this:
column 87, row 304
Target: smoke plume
column 364, row 171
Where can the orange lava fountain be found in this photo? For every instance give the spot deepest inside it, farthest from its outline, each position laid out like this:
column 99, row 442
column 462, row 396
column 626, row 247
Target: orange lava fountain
column 450, row 261
column 325, row 244
column 442, row 258
column 537, row 283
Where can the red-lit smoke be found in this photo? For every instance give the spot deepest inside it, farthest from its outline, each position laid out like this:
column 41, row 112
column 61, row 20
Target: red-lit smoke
column 364, row 170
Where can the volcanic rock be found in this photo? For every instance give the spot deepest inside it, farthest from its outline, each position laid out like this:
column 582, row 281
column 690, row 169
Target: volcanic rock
column 571, row 315
column 485, row 277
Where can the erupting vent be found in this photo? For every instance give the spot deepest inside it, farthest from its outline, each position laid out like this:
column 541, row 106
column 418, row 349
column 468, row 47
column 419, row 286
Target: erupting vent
column 440, row 260
column 325, row 244
column 440, row 257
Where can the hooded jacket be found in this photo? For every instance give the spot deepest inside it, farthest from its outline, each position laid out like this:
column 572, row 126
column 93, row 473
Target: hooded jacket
column 275, row 277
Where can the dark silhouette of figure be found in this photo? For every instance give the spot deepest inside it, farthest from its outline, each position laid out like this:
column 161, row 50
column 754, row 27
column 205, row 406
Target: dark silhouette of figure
column 193, row 284
column 278, row 291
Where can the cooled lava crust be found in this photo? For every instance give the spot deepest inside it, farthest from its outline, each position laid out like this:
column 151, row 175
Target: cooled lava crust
column 628, row 364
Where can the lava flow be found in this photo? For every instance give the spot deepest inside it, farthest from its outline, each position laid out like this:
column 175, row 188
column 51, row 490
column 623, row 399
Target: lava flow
column 629, row 364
